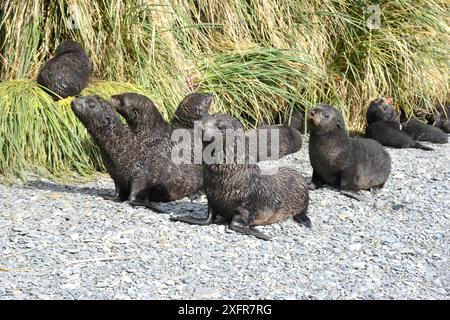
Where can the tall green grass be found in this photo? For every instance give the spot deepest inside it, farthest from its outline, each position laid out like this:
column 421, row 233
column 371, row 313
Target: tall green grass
column 257, row 57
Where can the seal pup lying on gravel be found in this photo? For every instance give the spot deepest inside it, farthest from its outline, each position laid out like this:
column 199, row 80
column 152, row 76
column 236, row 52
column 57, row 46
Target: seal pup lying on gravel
column 192, row 108
column 383, row 126
column 139, row 174
column 68, row 72
column 290, row 139
column 239, row 192
column 421, row 131
column 350, row 164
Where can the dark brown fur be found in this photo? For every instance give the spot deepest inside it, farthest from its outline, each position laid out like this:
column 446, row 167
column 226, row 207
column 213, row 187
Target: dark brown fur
column 421, row 131
column 68, row 72
column 242, row 195
column 192, row 108
column 383, row 125
column 139, row 173
column 350, row 164
column 150, row 128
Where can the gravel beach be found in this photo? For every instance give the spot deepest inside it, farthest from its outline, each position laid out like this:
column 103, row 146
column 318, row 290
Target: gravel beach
column 68, row 242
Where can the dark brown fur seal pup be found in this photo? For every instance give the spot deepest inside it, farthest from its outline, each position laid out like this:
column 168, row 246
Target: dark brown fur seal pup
column 289, row 140
column 68, row 72
column 383, row 126
column 289, row 136
column 441, row 117
column 138, row 173
column 239, row 192
column 421, row 131
column 192, row 108
column 147, row 123
column 350, row 164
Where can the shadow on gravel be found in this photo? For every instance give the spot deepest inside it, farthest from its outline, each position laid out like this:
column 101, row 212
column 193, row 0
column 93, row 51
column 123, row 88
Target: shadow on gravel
column 54, row 187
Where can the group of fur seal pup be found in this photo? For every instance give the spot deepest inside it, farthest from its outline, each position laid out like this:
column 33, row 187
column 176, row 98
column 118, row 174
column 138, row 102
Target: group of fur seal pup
column 137, row 155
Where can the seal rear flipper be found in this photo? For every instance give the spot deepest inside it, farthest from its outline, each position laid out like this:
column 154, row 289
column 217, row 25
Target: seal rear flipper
column 193, row 220
column 210, row 218
column 303, row 219
column 248, row 231
column 239, row 223
column 418, row 145
column 119, row 196
column 354, row 195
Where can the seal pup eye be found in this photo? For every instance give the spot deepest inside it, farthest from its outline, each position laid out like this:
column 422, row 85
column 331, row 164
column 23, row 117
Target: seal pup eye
column 220, row 127
column 326, row 115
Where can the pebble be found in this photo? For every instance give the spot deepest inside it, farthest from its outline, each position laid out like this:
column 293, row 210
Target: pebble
column 393, row 247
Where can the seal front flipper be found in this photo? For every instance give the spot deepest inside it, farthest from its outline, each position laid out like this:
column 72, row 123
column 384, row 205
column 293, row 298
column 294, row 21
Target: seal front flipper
column 418, row 145
column 119, row 196
column 316, row 182
column 239, row 223
column 198, row 221
column 354, row 195
column 154, row 207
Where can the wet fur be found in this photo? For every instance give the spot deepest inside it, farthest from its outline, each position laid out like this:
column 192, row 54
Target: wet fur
column 192, row 108
column 239, row 192
column 130, row 163
column 152, row 131
column 68, row 72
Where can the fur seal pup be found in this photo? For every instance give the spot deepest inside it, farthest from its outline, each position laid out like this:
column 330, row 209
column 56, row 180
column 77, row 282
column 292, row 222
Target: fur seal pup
column 441, row 118
column 421, row 131
column 140, row 174
column 290, row 140
column 68, row 72
column 239, row 192
column 192, row 108
column 383, row 125
column 150, row 128
column 350, row 164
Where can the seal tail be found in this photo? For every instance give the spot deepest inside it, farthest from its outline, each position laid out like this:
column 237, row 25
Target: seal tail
column 418, row 145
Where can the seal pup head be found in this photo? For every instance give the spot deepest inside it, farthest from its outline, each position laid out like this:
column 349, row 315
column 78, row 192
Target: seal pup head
column 136, row 109
column 68, row 46
column 94, row 112
column 381, row 109
column 194, row 106
column 223, row 135
column 325, row 118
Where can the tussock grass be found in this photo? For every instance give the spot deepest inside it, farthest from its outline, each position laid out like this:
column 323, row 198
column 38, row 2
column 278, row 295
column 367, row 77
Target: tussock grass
column 257, row 57
column 41, row 137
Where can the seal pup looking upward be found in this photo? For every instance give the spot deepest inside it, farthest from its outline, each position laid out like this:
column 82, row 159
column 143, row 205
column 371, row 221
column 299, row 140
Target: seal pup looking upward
column 192, row 108
column 151, row 130
column 239, row 192
column 68, row 72
column 383, row 125
column 349, row 164
column 139, row 174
